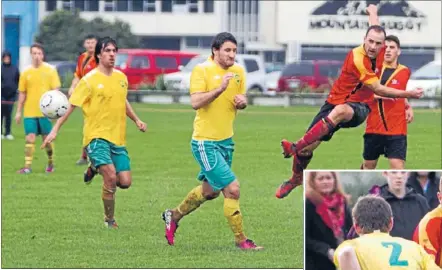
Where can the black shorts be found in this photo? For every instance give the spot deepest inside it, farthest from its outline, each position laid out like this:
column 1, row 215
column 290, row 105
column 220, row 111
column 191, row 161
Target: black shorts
column 391, row 146
column 361, row 111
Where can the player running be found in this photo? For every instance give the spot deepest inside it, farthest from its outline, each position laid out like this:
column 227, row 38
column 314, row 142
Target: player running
column 375, row 248
column 386, row 129
column 346, row 105
column 35, row 80
column 102, row 96
column 217, row 91
column 85, row 63
column 429, row 231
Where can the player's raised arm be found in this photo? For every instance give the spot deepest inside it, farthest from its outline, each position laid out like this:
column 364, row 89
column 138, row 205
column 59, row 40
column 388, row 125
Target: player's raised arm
column 200, row 96
column 373, row 18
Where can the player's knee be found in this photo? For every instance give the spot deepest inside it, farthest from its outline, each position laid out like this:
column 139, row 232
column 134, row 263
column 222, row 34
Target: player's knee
column 125, row 185
column 397, row 164
column 211, row 195
column 344, row 111
column 370, row 165
column 232, row 191
column 30, row 138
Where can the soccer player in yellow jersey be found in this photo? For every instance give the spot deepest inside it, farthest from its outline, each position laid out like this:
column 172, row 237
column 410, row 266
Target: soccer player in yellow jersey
column 35, row 80
column 102, row 96
column 217, row 89
column 375, row 249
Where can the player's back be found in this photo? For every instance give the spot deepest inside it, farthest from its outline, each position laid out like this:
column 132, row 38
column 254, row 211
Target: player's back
column 378, row 250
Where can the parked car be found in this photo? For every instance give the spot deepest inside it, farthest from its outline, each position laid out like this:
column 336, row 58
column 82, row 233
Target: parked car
column 317, row 75
column 272, row 79
column 66, row 70
column 143, row 66
column 427, row 77
column 253, row 64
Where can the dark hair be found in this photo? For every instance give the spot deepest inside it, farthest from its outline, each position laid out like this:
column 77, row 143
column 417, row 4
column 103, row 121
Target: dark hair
column 91, row 36
column 376, row 28
column 220, row 39
column 37, row 45
column 393, row 38
column 372, row 213
column 101, row 44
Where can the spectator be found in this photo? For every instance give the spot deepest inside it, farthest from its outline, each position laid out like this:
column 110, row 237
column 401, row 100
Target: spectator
column 327, row 219
column 429, row 232
column 10, row 77
column 408, row 206
column 426, row 184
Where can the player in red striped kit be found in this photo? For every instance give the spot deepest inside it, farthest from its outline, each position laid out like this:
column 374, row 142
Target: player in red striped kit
column 346, row 105
column 85, row 63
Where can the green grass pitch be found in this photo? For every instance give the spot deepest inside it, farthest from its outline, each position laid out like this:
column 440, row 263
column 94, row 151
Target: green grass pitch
column 56, row 221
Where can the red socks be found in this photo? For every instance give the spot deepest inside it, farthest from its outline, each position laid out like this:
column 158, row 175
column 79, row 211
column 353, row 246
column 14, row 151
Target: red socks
column 84, row 155
column 320, row 129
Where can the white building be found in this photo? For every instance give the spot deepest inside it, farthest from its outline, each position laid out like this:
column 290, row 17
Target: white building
column 279, row 30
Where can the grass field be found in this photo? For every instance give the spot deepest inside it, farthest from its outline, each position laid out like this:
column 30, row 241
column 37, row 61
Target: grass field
column 55, row 221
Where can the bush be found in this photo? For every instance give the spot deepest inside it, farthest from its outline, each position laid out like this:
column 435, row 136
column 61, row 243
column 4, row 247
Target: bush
column 62, row 34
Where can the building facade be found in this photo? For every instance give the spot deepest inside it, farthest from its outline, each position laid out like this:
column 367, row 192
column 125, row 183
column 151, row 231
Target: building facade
column 19, row 26
column 278, row 30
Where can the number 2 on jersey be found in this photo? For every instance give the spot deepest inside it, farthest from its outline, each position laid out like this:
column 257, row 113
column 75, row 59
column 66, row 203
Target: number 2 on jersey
column 395, row 254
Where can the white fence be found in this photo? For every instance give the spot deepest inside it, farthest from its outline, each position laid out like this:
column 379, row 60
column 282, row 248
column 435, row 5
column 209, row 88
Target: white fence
column 280, row 99
column 258, row 99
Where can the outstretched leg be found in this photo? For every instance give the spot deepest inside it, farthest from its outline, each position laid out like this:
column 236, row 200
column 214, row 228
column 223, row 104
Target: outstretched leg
column 194, row 199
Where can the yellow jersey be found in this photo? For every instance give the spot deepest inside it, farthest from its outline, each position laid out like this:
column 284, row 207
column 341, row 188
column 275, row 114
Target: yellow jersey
column 215, row 121
column 103, row 101
column 34, row 82
column 376, row 251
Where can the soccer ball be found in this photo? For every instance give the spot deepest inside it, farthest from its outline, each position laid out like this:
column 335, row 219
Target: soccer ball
column 54, row 104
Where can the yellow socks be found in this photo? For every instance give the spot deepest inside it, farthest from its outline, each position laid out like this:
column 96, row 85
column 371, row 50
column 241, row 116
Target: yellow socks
column 108, row 195
column 29, row 154
column 192, row 201
column 50, row 152
column 234, row 217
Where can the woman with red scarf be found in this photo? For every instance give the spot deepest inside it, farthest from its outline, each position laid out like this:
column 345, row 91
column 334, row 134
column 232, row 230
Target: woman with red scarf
column 327, row 219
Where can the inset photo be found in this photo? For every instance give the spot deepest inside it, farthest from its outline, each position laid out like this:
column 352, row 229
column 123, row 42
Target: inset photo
column 371, row 220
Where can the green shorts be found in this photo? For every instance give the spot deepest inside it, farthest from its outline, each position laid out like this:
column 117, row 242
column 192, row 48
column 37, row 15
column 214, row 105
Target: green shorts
column 102, row 152
column 215, row 160
column 37, row 125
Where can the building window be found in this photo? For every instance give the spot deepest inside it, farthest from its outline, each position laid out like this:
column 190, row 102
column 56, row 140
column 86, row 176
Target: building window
column 109, row 5
column 184, row 6
column 122, row 5
column 79, row 4
column 243, row 7
column 193, row 6
column 51, row 5
column 149, row 5
column 166, row 6
column 208, row 6
column 67, row 5
column 199, row 42
column 91, row 5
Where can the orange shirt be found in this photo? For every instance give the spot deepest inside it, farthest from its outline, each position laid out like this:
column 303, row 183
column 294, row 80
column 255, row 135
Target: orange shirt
column 387, row 117
column 85, row 63
column 428, row 234
column 356, row 71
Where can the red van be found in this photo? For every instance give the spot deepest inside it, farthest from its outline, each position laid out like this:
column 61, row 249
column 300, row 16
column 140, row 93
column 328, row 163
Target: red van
column 314, row 74
column 142, row 66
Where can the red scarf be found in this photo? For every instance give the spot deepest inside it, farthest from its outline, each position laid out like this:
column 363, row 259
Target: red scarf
column 332, row 211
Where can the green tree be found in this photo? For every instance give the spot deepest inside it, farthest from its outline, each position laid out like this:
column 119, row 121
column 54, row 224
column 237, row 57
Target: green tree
column 62, row 34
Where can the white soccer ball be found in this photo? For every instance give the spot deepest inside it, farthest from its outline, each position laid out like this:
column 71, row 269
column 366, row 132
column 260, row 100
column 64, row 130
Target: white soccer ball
column 54, row 104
